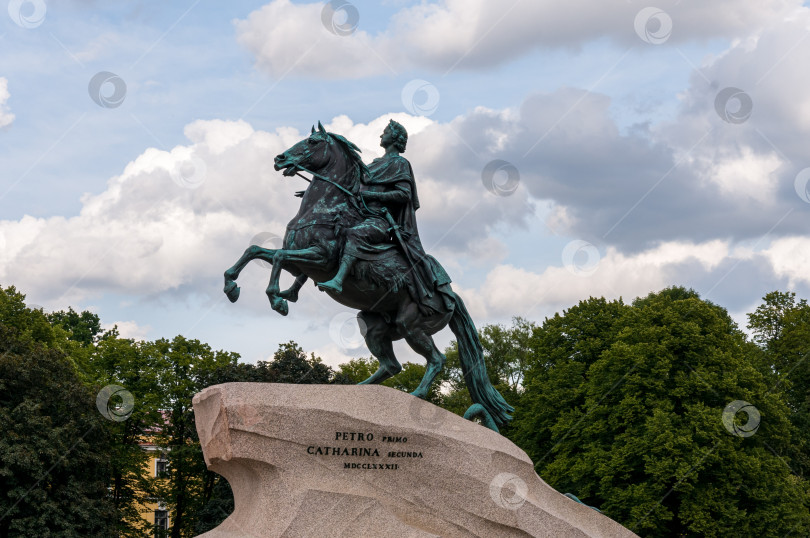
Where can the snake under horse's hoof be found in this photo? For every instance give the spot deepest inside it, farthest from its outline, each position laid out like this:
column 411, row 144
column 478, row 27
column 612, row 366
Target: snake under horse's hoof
column 231, row 290
column 477, row 411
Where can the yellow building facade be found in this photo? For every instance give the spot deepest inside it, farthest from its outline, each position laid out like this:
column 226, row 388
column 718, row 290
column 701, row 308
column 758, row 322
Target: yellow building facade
column 154, row 511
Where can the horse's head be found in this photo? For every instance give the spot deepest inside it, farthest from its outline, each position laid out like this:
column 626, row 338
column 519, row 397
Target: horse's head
column 323, row 153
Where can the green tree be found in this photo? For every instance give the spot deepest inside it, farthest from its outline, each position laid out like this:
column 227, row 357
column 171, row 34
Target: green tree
column 562, row 351
column 53, row 441
column 126, row 363
column 630, row 418
column 359, row 369
column 781, row 327
column 291, row 365
column 31, row 324
column 84, row 328
column 768, row 321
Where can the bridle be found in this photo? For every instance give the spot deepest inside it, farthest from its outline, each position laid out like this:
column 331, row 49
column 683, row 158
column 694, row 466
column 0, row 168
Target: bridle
column 300, row 168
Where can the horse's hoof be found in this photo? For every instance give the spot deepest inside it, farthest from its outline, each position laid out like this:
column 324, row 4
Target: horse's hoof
column 280, row 305
column 419, row 394
column 232, row 291
column 291, row 296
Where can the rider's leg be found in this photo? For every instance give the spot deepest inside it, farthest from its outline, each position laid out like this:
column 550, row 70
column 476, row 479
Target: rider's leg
column 336, row 284
column 360, row 238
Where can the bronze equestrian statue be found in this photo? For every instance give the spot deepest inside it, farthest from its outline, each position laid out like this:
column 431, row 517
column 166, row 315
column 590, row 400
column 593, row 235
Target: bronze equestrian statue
column 355, row 235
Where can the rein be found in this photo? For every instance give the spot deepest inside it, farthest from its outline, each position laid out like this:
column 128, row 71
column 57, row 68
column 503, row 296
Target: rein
column 345, row 190
column 323, row 178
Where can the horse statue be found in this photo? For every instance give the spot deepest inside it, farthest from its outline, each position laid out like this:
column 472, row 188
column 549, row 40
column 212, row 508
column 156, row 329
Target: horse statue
column 382, row 285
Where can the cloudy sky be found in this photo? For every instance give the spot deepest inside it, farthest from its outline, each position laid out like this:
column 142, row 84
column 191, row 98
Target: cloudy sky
column 561, row 151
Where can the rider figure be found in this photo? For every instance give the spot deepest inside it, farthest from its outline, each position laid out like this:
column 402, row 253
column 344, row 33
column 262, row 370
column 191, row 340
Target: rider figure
column 390, row 187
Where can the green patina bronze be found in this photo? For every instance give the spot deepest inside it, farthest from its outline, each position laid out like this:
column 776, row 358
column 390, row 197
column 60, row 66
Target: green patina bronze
column 355, row 235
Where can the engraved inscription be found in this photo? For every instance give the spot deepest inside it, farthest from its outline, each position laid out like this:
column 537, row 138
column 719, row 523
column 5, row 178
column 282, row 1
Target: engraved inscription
column 367, row 451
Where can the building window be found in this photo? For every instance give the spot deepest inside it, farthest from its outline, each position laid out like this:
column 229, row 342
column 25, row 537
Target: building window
column 161, row 523
column 161, row 466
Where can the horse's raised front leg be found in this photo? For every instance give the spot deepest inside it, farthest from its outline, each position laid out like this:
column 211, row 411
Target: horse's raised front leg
column 291, row 293
column 311, row 256
column 251, row 253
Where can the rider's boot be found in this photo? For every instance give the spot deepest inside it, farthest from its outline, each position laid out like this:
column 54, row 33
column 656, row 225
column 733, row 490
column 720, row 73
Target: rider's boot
column 336, row 284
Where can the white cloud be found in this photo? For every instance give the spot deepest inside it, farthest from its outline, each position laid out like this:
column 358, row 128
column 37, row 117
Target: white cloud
column 287, row 37
column 146, row 233
column 129, row 329
column 6, row 117
column 333, row 355
column 769, row 67
column 510, row 290
column 790, row 257
column 747, row 174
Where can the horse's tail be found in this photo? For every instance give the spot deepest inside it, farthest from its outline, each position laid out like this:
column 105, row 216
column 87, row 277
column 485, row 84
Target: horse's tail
column 473, row 367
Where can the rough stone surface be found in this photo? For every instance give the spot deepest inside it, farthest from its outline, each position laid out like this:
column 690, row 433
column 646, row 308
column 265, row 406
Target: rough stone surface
column 274, row 444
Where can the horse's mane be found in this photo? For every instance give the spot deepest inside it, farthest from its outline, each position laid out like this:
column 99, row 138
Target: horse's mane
column 353, row 154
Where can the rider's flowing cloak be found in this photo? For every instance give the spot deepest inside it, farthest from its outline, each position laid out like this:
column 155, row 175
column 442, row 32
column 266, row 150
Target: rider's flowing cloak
column 391, row 173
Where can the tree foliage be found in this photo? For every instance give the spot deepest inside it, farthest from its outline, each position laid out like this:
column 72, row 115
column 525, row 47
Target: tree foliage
column 781, row 326
column 84, row 328
column 54, row 444
column 623, row 405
